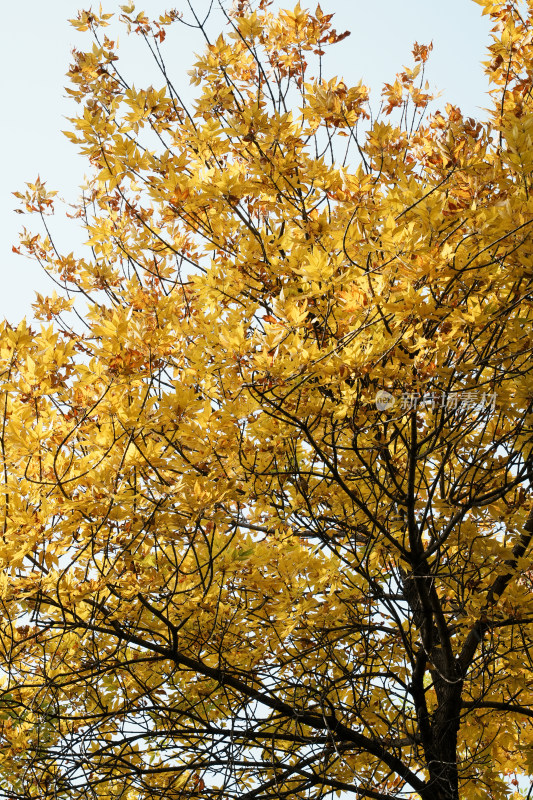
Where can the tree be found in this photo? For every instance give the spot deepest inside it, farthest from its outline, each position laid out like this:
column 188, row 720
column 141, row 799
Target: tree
column 267, row 461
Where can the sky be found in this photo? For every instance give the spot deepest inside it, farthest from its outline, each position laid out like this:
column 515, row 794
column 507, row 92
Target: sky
column 35, row 54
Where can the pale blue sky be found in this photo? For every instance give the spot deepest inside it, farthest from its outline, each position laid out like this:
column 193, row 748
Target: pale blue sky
column 35, row 54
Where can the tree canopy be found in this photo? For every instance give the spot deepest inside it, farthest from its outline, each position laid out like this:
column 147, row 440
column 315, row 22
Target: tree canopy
column 267, row 447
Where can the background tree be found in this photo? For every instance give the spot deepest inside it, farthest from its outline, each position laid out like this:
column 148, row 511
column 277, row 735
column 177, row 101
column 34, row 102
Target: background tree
column 267, row 462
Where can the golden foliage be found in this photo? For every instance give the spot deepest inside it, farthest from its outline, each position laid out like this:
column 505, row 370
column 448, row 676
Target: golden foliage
column 228, row 570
